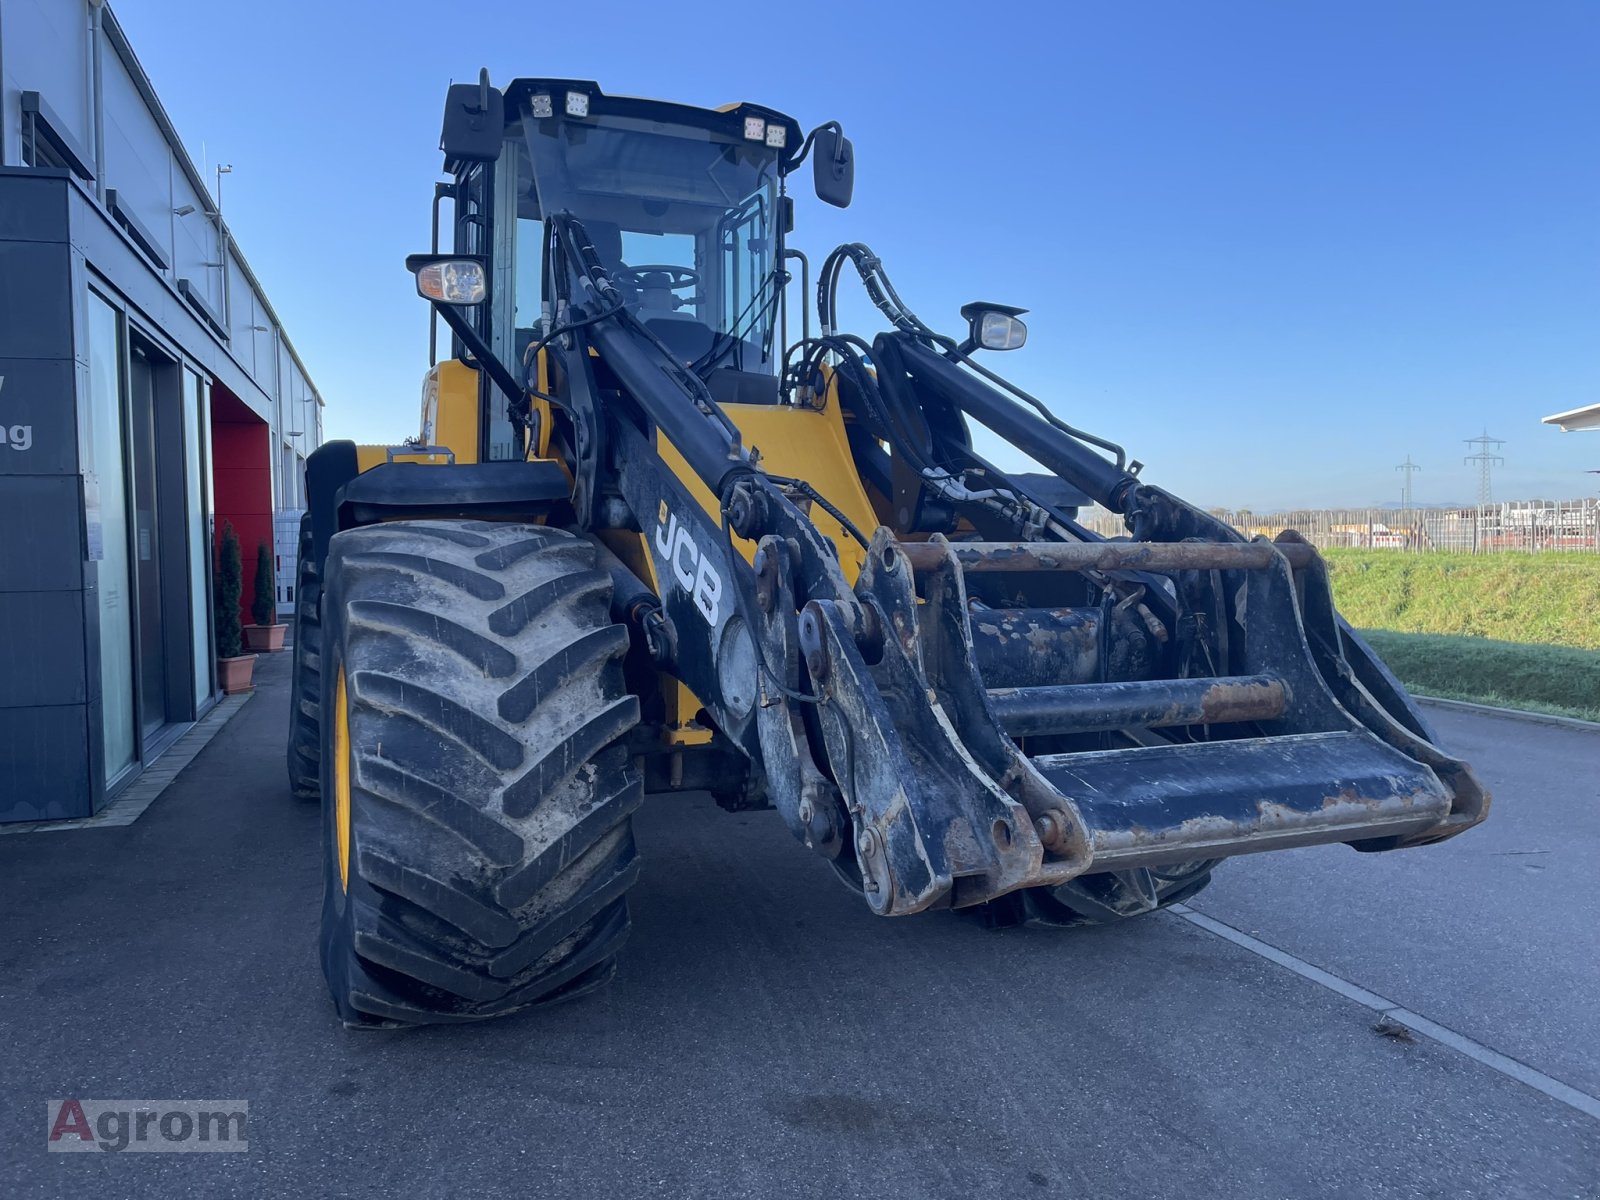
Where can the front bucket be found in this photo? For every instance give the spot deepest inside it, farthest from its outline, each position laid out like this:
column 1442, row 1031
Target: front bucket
column 1163, row 804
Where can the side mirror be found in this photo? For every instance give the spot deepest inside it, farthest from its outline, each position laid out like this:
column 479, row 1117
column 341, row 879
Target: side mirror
column 449, row 279
column 474, row 123
column 833, row 165
column 992, row 327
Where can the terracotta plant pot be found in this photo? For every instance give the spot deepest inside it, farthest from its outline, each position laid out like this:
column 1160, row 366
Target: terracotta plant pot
column 264, row 637
column 234, row 673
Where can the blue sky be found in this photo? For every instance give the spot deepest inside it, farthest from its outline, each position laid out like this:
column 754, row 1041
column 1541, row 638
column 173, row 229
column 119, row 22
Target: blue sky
column 1271, row 248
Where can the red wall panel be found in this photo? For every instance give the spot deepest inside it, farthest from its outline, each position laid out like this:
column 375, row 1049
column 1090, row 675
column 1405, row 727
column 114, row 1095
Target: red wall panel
column 241, row 469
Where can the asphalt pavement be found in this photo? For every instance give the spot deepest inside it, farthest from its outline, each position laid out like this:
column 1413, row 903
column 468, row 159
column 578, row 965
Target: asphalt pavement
column 767, row 1036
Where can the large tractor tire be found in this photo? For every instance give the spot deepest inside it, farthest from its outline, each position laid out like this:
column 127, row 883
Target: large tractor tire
column 477, row 792
column 1104, row 898
column 305, row 702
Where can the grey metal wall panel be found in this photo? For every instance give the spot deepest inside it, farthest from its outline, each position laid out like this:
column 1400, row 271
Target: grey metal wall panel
column 33, row 206
column 93, row 685
column 40, row 543
column 47, row 51
column 41, row 654
column 138, row 161
column 38, row 416
column 35, row 304
column 45, row 763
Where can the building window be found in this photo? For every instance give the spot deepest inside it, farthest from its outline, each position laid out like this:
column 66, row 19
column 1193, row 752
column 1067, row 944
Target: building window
column 290, row 475
column 36, row 152
column 46, row 141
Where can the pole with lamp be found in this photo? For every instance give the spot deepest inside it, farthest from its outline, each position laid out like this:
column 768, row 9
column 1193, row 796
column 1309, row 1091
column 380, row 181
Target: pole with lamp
column 222, row 244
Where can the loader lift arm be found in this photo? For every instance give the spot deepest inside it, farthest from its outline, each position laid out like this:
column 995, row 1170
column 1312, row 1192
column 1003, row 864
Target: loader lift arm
column 907, row 770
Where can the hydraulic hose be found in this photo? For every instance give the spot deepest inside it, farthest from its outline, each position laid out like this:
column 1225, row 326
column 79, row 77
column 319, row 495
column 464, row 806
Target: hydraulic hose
column 882, row 293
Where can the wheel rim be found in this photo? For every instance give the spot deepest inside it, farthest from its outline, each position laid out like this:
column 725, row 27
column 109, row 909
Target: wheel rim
column 341, row 780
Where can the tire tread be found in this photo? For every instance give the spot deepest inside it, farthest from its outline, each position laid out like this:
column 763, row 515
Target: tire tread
column 491, row 799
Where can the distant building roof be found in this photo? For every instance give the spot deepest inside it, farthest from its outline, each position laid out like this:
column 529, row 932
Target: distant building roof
column 1576, row 419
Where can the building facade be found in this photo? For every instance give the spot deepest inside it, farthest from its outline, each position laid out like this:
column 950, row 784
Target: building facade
column 148, row 394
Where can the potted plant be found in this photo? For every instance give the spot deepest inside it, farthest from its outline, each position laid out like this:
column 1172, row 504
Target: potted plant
column 234, row 667
column 267, row 632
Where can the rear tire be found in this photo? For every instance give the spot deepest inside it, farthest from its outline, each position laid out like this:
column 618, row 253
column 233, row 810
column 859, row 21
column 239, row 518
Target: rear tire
column 305, row 712
column 1104, row 898
column 489, row 795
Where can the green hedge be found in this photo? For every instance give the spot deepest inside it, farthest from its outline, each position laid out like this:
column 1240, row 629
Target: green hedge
column 1557, row 679
column 1541, row 599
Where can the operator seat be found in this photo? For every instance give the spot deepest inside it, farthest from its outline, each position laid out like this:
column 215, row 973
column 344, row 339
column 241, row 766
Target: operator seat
column 682, row 333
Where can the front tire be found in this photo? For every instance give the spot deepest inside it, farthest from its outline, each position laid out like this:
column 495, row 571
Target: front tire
column 477, row 794
column 305, row 712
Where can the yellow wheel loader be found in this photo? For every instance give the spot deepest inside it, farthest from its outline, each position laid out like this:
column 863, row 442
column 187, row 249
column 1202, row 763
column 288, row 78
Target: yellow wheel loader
column 647, row 543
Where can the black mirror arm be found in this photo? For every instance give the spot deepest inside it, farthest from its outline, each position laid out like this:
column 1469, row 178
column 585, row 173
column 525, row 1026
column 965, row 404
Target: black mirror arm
column 805, row 147
column 479, row 349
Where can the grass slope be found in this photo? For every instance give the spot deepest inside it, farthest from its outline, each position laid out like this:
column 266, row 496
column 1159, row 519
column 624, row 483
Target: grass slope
column 1556, row 679
column 1536, row 599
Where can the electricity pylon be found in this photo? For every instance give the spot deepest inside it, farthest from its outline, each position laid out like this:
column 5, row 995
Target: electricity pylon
column 1409, row 468
column 1486, row 461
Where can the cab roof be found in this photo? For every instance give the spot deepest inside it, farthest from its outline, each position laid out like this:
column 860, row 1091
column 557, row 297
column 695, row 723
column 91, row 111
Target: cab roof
column 727, row 120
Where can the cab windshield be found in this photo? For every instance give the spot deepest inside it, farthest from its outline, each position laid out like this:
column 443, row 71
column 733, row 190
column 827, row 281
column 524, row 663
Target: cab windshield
column 682, row 219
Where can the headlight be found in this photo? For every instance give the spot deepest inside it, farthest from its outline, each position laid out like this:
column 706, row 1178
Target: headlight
column 1001, row 331
column 993, row 327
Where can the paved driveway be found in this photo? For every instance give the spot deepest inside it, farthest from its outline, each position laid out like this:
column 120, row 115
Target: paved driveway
column 767, row 1036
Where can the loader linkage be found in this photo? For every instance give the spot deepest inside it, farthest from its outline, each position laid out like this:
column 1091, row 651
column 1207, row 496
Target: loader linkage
column 950, row 809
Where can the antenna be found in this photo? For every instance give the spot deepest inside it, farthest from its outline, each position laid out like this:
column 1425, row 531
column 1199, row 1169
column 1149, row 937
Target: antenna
column 1486, row 460
column 1409, row 468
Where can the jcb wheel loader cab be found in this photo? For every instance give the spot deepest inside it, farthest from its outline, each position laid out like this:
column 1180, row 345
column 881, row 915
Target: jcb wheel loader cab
column 783, row 571
column 478, row 847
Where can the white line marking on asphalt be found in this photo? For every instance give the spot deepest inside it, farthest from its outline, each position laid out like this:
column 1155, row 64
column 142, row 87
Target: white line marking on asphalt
column 1445, row 1036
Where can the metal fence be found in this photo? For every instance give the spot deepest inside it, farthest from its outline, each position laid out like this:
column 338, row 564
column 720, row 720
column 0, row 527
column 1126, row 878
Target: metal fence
column 1519, row 525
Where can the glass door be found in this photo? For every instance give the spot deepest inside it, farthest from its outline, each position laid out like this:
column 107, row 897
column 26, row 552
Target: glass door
column 197, row 495
column 147, row 543
column 106, row 513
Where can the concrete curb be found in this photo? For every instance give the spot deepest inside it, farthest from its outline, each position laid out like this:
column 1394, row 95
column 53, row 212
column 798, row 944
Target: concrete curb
column 1517, row 714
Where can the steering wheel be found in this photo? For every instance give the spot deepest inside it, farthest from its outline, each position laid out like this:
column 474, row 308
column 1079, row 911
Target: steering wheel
column 677, row 277
column 665, row 276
